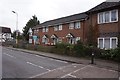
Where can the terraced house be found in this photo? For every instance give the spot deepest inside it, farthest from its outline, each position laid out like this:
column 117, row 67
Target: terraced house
column 104, row 19
column 67, row 29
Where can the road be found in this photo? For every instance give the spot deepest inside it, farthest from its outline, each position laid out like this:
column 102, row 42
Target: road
column 17, row 64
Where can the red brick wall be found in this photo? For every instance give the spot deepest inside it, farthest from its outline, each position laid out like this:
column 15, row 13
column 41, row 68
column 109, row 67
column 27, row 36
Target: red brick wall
column 63, row 33
column 108, row 27
column 105, row 27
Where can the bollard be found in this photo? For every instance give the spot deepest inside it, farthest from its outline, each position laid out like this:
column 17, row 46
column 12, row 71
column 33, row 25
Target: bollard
column 92, row 58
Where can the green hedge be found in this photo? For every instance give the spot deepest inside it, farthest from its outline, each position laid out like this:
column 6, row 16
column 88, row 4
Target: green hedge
column 77, row 50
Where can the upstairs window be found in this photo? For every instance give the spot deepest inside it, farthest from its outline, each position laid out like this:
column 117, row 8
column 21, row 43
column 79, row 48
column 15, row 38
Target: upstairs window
column 114, row 15
column 100, row 16
column 71, row 26
column 58, row 28
column 45, row 29
column 77, row 25
column 108, row 16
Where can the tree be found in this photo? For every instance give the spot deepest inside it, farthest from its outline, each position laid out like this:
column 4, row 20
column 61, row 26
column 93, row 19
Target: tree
column 19, row 35
column 30, row 24
column 93, row 35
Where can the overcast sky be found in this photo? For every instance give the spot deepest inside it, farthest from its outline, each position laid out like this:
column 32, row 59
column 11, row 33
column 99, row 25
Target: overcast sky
column 44, row 9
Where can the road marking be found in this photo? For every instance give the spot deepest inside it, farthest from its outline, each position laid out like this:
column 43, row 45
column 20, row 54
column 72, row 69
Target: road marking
column 75, row 66
column 74, row 71
column 69, row 75
column 9, row 55
column 48, row 71
column 58, row 60
column 72, row 76
column 37, row 66
column 39, row 56
column 32, row 64
column 61, row 61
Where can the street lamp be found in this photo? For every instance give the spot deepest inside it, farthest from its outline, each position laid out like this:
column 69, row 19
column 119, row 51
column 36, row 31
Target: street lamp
column 16, row 26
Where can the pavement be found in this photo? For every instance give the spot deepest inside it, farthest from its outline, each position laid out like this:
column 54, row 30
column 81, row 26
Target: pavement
column 97, row 62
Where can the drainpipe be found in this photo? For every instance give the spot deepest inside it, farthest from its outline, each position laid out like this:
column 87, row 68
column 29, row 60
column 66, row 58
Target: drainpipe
column 118, row 27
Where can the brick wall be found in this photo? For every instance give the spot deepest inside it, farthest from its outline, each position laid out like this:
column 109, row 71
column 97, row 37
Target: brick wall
column 63, row 33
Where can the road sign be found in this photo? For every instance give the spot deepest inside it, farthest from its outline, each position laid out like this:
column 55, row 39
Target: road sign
column 35, row 37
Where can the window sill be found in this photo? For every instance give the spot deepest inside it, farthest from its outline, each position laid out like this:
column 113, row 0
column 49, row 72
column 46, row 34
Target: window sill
column 108, row 22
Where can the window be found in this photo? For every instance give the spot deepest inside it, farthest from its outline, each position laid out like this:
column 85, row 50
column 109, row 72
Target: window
column 77, row 25
column 107, row 43
column 71, row 40
column 60, row 40
column 71, row 26
column 77, row 39
column 44, row 40
column 100, row 18
column 45, row 29
column 108, row 16
column 58, row 28
column 114, row 15
column 100, row 43
column 55, row 28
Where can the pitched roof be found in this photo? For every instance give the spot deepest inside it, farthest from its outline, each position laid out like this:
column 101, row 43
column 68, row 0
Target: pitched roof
column 104, row 5
column 5, row 30
column 75, row 17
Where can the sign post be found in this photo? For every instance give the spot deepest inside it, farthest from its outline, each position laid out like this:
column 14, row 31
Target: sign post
column 34, row 38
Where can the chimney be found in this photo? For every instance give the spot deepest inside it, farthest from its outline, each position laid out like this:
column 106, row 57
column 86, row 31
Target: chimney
column 112, row 0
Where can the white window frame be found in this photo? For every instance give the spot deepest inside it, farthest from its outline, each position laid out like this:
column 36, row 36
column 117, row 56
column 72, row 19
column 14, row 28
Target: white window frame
column 60, row 27
column 77, row 39
column 56, row 28
column 59, row 40
column 71, row 25
column 110, row 38
column 77, row 25
column 116, row 15
column 45, row 29
column 110, row 17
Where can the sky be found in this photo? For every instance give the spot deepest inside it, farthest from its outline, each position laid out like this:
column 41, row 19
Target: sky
column 44, row 10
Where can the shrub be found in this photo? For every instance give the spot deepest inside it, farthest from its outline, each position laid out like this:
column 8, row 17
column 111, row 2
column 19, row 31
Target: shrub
column 63, row 48
column 79, row 49
column 112, row 54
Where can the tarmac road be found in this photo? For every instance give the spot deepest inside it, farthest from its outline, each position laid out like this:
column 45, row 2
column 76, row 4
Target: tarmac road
column 17, row 64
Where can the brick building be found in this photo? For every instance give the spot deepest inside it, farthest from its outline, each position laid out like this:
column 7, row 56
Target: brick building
column 104, row 19
column 67, row 29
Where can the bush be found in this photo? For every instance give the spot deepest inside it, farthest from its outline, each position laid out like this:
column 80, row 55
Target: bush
column 63, row 48
column 79, row 49
column 112, row 54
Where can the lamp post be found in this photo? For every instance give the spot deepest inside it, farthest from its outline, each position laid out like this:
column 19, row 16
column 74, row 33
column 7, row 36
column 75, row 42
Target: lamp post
column 16, row 26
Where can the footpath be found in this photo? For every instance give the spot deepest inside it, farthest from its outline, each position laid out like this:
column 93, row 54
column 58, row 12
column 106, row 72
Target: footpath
column 97, row 62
